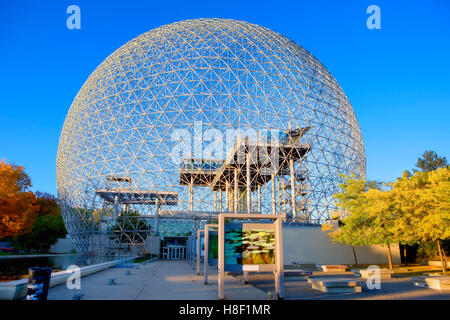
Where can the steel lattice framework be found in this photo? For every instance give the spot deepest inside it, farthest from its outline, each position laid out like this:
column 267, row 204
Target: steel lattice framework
column 222, row 74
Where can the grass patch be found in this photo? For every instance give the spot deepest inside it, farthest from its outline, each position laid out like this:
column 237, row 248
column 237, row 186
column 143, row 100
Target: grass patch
column 3, row 253
column 143, row 258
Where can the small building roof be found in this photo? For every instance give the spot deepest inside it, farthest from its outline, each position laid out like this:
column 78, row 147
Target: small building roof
column 130, row 196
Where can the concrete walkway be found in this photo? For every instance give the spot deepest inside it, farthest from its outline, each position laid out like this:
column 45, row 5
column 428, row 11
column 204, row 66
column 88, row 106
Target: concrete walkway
column 391, row 289
column 159, row 280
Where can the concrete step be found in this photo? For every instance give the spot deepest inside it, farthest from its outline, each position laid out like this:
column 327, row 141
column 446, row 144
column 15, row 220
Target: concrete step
column 297, row 278
column 435, row 282
column 355, row 289
column 296, row 273
column 336, row 282
column 307, row 266
column 336, row 285
column 340, row 273
column 436, row 263
column 416, row 269
column 383, row 273
column 334, row 268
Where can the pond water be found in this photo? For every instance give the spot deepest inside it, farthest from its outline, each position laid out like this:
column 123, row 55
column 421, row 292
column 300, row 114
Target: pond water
column 17, row 268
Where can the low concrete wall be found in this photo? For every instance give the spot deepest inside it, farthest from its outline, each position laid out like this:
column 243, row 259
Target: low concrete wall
column 311, row 245
column 17, row 289
column 15, row 256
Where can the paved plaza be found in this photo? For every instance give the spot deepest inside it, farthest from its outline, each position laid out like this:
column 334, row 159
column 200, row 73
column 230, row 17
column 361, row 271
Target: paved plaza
column 160, row 280
column 176, row 280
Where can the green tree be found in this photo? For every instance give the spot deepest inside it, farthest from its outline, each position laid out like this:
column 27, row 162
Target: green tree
column 430, row 161
column 46, row 229
column 131, row 228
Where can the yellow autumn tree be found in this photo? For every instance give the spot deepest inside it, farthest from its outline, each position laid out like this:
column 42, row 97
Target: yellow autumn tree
column 366, row 215
column 423, row 200
column 415, row 210
column 17, row 204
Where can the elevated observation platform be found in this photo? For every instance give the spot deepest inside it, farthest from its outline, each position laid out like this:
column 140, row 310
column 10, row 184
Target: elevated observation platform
column 250, row 164
column 261, row 159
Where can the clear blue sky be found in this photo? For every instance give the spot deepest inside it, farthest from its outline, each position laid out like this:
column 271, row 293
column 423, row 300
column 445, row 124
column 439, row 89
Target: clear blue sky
column 397, row 78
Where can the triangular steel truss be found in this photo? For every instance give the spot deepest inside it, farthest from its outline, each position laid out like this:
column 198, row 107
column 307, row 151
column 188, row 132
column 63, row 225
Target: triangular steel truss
column 225, row 75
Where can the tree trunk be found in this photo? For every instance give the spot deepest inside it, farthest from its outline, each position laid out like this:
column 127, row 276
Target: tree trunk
column 354, row 255
column 405, row 255
column 440, row 256
column 445, row 258
column 389, row 256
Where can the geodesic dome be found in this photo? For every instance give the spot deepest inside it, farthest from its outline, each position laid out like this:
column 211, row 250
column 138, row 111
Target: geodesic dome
column 216, row 74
